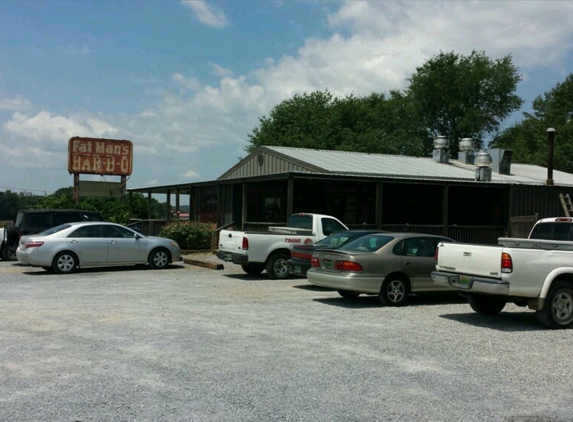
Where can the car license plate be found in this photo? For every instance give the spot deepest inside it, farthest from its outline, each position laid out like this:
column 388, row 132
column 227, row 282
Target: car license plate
column 228, row 257
column 297, row 269
column 464, row 281
column 328, row 264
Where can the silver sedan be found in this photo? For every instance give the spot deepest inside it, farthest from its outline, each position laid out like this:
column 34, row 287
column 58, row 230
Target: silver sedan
column 390, row 265
column 87, row 244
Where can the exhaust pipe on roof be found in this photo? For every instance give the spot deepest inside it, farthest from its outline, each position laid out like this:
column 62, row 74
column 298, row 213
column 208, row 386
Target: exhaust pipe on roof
column 483, row 162
column 550, row 144
column 467, row 152
column 441, row 145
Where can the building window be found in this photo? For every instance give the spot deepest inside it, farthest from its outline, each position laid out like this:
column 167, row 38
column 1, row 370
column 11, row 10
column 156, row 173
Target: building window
column 273, row 210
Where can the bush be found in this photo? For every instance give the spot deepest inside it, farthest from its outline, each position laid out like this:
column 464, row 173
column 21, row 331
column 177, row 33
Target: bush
column 189, row 234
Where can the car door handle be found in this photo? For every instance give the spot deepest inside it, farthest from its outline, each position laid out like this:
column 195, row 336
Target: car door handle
column 73, row 241
column 407, row 262
column 111, row 242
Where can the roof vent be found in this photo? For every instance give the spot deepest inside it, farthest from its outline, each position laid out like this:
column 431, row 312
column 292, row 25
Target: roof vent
column 467, row 151
column 501, row 160
column 483, row 163
column 441, row 145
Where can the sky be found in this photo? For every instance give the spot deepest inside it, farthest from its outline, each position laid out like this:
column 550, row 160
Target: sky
column 186, row 81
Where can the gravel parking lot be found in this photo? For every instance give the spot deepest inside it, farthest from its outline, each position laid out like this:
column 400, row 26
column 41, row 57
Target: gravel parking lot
column 195, row 344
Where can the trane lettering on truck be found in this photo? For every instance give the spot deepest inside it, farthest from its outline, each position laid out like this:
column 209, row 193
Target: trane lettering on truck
column 258, row 251
column 536, row 272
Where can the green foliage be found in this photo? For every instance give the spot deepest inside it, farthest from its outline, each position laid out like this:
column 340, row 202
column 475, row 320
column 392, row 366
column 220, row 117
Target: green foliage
column 302, row 121
column 135, row 205
column 189, row 234
column 11, row 202
column 460, row 96
column 528, row 138
column 373, row 124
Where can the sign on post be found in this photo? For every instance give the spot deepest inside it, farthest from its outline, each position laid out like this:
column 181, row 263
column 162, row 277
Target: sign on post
column 100, row 156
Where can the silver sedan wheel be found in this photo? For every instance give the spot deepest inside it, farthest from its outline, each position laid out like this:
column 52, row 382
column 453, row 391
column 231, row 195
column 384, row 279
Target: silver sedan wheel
column 64, row 263
column 159, row 259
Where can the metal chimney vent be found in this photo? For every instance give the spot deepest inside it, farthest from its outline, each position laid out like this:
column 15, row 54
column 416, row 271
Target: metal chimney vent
column 441, row 145
column 483, row 162
column 467, row 151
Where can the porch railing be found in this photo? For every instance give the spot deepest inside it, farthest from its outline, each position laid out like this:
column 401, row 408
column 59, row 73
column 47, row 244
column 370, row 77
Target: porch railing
column 486, row 235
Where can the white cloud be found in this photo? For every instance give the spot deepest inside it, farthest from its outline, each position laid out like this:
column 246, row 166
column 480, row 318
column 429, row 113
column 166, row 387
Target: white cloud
column 190, row 174
column 186, row 83
column 40, row 141
column 18, row 103
column 45, row 127
column 208, row 14
column 534, row 32
column 221, row 71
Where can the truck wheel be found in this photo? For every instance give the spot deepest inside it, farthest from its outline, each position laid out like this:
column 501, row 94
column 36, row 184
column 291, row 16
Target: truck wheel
column 487, row 305
column 7, row 253
column 347, row 294
column 277, row 267
column 557, row 311
column 394, row 291
column 253, row 269
column 9, row 233
column 10, row 242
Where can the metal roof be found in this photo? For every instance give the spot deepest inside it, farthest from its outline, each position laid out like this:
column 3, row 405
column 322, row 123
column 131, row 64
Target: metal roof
column 357, row 164
column 400, row 166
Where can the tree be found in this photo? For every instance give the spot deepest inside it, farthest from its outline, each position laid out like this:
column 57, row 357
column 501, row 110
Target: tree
column 459, row 96
column 11, row 202
column 110, row 208
column 528, row 138
column 302, row 121
column 373, row 124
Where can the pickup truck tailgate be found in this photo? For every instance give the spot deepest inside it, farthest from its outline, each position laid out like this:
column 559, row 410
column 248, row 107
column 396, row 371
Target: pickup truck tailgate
column 231, row 241
column 477, row 260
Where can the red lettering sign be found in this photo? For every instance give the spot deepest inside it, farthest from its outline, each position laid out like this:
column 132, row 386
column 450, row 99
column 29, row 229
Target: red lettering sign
column 100, row 156
column 290, row 240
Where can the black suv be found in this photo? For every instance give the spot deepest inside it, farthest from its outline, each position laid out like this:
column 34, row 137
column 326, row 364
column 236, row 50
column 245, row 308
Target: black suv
column 35, row 221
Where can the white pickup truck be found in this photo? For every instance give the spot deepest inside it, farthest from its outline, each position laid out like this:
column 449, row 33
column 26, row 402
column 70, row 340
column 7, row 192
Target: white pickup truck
column 258, row 251
column 536, row 272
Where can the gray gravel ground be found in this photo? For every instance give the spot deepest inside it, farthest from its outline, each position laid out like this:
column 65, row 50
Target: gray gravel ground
column 195, row 344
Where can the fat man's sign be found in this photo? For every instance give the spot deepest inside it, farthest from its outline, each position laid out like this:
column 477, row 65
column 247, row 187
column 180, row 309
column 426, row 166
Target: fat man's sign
column 100, row 156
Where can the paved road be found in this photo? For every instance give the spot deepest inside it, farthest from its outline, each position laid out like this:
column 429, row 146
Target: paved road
column 195, row 344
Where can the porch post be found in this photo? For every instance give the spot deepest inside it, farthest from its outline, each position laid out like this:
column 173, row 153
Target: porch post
column 244, row 216
column 445, row 201
column 290, row 196
column 378, row 207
